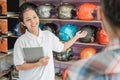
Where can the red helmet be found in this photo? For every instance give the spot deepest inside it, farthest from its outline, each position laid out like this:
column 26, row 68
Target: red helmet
column 85, row 11
column 87, row 52
column 3, row 7
column 102, row 36
column 65, row 74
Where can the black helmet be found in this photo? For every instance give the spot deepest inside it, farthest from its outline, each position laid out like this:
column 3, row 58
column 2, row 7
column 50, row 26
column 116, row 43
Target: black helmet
column 91, row 33
column 51, row 27
column 63, row 56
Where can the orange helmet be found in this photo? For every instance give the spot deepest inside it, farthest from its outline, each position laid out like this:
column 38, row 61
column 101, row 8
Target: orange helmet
column 102, row 37
column 85, row 11
column 87, row 52
column 65, row 74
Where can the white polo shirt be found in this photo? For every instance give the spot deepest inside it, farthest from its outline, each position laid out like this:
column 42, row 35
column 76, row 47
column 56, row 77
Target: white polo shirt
column 49, row 42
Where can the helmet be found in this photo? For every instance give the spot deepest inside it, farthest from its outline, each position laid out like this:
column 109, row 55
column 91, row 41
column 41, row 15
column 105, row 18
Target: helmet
column 3, row 27
column 3, row 7
column 102, row 36
column 0, row 10
column 40, row 25
column 86, row 11
column 45, row 10
column 16, row 30
column 4, row 45
column 67, row 32
column 65, row 74
column 91, row 33
column 66, row 11
column 51, row 27
column 64, row 56
column 87, row 52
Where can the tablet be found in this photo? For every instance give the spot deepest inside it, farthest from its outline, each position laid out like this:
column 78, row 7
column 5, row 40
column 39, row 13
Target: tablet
column 33, row 54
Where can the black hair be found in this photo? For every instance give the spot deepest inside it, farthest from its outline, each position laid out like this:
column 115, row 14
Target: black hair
column 111, row 9
column 24, row 7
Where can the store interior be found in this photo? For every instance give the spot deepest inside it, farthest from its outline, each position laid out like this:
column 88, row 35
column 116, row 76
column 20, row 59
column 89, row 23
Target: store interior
column 62, row 14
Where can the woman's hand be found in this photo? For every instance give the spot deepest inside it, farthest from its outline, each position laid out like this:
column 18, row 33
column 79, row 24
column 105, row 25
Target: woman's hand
column 81, row 34
column 43, row 61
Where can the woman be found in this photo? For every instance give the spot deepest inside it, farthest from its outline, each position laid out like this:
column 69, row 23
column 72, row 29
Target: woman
column 32, row 36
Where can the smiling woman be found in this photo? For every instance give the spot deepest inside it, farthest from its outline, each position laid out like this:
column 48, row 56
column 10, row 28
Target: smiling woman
column 32, row 36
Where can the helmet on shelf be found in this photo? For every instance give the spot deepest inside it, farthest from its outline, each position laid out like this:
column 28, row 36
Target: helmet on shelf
column 16, row 30
column 86, row 11
column 63, row 56
column 87, row 52
column 91, row 33
column 66, row 11
column 45, row 10
column 102, row 36
column 0, row 10
column 67, row 32
column 3, row 27
column 41, row 26
column 51, row 27
column 65, row 74
column 3, row 5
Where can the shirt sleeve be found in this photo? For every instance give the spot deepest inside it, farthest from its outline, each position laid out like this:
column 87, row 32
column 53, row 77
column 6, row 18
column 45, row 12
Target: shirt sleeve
column 57, row 45
column 18, row 54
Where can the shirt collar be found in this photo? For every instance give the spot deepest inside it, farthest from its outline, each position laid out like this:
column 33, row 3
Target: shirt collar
column 30, row 35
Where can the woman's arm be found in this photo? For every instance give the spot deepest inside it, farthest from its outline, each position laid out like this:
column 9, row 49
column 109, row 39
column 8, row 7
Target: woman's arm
column 42, row 62
column 78, row 35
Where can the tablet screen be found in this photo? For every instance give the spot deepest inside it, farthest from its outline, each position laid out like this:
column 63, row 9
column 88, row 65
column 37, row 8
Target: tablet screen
column 33, row 54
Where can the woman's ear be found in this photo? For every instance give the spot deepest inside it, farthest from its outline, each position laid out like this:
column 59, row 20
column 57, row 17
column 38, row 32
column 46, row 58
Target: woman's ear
column 99, row 13
column 22, row 23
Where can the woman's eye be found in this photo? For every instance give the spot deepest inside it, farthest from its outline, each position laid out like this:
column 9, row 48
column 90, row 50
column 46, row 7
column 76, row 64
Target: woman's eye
column 34, row 17
column 28, row 20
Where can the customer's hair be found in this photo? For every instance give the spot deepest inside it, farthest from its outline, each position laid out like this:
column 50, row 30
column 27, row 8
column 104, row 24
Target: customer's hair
column 111, row 9
column 25, row 6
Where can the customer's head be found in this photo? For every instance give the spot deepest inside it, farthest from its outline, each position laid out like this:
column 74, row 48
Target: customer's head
column 23, row 9
column 111, row 15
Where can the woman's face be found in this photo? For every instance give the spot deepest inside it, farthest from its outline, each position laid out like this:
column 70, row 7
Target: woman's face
column 30, row 20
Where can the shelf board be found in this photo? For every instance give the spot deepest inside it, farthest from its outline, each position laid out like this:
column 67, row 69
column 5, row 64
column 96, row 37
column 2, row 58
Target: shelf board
column 58, row 78
column 2, row 17
column 12, row 15
column 71, row 20
column 66, row 62
column 6, row 54
column 13, row 36
column 2, row 73
column 66, row 0
column 72, row 62
column 81, row 1
column 92, row 44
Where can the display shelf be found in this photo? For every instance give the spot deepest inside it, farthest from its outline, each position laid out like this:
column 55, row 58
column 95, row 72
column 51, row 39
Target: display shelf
column 66, row 62
column 70, row 62
column 58, row 78
column 9, row 10
column 10, row 51
column 10, row 15
column 2, row 17
column 81, row 0
column 91, row 44
column 4, row 72
column 71, row 20
column 66, row 0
